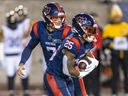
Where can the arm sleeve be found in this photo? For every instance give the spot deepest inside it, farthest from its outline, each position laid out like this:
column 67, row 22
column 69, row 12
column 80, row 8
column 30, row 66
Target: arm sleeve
column 28, row 50
column 34, row 32
column 69, row 33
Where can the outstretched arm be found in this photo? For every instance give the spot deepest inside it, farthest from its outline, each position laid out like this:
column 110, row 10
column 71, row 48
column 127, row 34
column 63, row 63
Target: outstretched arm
column 28, row 50
column 25, row 55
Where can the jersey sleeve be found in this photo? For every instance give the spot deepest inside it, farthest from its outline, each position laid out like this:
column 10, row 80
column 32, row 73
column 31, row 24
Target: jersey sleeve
column 67, row 31
column 28, row 50
column 34, row 32
column 71, row 46
column 90, row 45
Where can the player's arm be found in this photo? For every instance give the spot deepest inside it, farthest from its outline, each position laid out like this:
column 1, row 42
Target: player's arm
column 90, row 54
column 70, row 61
column 26, row 54
column 93, row 61
column 70, row 50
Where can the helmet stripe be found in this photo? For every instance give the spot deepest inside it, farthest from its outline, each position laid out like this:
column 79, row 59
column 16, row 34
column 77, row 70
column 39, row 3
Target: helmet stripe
column 58, row 7
column 65, row 32
column 35, row 28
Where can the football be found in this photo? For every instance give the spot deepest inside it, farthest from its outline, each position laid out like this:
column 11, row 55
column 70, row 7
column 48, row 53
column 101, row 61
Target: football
column 83, row 63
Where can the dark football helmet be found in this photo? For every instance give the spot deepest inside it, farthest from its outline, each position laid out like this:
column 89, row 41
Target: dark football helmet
column 51, row 11
column 84, row 25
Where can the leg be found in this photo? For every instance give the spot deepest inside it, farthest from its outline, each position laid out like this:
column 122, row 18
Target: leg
column 79, row 87
column 115, row 71
column 95, row 84
column 70, row 86
column 87, row 82
column 10, row 71
column 25, row 80
column 125, row 71
column 11, row 85
column 25, row 83
column 55, row 85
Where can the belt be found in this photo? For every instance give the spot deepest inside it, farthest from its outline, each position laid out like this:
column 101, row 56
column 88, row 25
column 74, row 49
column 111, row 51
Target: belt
column 11, row 54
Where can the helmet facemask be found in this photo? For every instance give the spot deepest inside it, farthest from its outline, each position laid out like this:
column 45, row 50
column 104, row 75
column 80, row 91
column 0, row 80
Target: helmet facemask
column 57, row 21
column 89, row 35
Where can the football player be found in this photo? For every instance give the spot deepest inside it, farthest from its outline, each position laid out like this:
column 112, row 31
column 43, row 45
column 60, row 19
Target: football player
column 12, row 36
column 61, row 68
column 50, row 35
column 26, row 24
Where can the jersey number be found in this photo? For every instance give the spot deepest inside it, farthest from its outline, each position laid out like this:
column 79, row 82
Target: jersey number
column 14, row 42
column 53, row 49
column 68, row 44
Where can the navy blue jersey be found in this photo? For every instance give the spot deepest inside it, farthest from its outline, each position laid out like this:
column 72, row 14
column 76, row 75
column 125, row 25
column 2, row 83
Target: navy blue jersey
column 49, row 40
column 74, row 45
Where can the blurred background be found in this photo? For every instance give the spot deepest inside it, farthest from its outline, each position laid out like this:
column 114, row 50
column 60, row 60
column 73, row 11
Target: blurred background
column 102, row 9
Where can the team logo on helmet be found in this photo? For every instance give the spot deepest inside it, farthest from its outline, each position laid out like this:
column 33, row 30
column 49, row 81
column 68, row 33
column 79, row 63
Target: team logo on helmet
column 47, row 10
column 83, row 21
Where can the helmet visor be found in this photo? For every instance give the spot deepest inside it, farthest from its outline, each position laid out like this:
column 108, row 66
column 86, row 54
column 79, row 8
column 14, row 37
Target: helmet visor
column 89, row 33
column 89, row 30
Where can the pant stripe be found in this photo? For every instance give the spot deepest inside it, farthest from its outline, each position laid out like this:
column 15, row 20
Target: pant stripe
column 82, row 87
column 53, row 85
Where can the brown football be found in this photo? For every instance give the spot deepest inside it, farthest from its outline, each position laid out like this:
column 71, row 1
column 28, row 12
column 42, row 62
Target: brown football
column 82, row 65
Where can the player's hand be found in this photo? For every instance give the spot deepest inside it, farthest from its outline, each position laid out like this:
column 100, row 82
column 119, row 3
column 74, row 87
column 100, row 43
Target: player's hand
column 82, row 74
column 85, row 72
column 21, row 70
column 89, row 67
